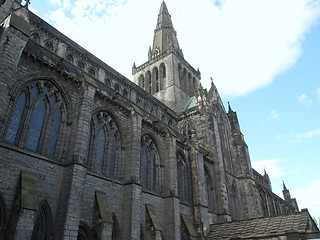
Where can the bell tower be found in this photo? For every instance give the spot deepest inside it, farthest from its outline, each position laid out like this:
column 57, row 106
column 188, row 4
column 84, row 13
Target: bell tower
column 167, row 75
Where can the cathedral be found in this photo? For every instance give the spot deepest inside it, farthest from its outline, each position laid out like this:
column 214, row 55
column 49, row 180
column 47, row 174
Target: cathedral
column 87, row 154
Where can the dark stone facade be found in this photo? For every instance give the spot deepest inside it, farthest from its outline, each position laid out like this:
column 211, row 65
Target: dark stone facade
column 87, row 154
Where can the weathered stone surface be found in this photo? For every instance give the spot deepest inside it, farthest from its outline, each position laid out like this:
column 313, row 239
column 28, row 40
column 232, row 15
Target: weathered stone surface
column 78, row 128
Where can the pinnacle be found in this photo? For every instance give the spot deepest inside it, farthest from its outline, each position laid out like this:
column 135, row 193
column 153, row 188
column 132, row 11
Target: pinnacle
column 164, row 18
column 284, row 186
column 163, row 8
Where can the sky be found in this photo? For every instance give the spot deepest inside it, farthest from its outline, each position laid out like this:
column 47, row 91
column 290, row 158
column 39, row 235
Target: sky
column 263, row 57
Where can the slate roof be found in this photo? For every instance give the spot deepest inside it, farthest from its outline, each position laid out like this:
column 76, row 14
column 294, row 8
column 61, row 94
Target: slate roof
column 299, row 222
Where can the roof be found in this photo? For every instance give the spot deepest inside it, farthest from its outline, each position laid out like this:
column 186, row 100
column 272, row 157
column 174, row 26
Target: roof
column 190, row 104
column 299, row 223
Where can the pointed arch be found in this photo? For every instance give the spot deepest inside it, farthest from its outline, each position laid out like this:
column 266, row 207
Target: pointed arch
column 48, row 45
column 155, row 80
column 210, row 189
column 188, row 128
column 184, row 178
column 83, row 231
column 44, row 223
column 232, row 191
column 150, row 167
column 141, row 82
column 163, row 76
column 104, row 145
column 148, row 82
column 116, row 231
column 36, row 113
column 92, row 72
column 225, row 144
column 70, row 58
column 35, row 37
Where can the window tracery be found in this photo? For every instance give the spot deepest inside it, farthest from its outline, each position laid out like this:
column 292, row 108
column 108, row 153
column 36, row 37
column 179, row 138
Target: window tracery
column 36, row 119
column 210, row 190
column 150, row 168
column 184, row 179
column 43, row 224
column 188, row 129
column 104, row 145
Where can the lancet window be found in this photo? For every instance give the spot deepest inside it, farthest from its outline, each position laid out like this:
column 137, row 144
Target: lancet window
column 104, row 145
column 188, row 129
column 150, row 168
column 184, row 179
column 43, row 225
column 210, row 189
column 36, row 119
column 163, row 75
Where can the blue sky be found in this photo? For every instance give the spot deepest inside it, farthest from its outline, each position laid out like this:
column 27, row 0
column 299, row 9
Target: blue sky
column 263, row 57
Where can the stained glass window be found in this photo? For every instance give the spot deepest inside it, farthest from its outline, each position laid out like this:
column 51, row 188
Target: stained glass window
column 54, row 133
column 101, row 139
column 36, row 126
column 15, row 122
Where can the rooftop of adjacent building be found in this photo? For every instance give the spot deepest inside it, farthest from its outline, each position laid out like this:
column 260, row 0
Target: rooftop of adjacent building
column 299, row 223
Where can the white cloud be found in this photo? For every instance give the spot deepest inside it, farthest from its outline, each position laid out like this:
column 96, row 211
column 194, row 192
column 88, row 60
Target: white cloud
column 318, row 93
column 304, row 99
column 308, row 197
column 299, row 136
column 274, row 114
column 309, row 134
column 242, row 44
column 270, row 165
column 55, row 2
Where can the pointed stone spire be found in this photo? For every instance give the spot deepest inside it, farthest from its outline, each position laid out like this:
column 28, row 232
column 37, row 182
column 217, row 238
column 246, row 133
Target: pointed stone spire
column 165, row 37
column 134, row 68
column 230, row 110
column 284, row 186
column 164, row 18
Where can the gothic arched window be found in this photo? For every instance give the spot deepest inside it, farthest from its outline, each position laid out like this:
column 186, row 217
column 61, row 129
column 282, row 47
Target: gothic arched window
column 141, row 81
column 80, row 65
column 108, row 82
column 184, row 179
column 69, row 58
column 35, row 37
column 225, row 144
column 48, row 45
column 84, row 232
column 233, row 200
column 210, row 190
column 188, row 129
column 43, row 224
column 155, row 80
column 92, row 72
column 104, row 144
column 148, row 82
column 36, row 119
column 163, row 75
column 150, row 168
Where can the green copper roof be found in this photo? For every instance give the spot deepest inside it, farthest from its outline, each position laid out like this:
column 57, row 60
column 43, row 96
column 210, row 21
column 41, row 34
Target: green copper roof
column 190, row 104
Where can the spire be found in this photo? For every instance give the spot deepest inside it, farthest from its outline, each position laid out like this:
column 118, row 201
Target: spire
column 230, row 110
column 165, row 37
column 284, row 186
column 164, row 18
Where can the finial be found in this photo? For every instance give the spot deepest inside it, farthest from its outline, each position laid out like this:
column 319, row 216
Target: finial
column 27, row 3
column 230, row 110
column 284, row 186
